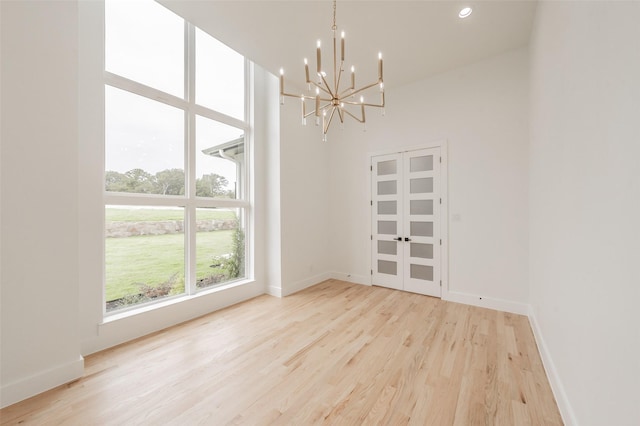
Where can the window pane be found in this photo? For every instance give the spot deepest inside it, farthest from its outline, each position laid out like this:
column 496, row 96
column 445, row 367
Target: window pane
column 220, row 246
column 144, row 42
column 220, row 159
column 219, row 76
column 144, row 254
column 144, row 149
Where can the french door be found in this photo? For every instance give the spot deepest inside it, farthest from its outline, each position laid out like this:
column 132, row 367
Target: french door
column 405, row 210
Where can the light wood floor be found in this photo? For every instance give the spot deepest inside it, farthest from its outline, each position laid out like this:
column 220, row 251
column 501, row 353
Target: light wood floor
column 336, row 353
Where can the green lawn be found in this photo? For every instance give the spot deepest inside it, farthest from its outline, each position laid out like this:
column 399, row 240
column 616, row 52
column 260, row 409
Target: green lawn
column 154, row 259
column 113, row 214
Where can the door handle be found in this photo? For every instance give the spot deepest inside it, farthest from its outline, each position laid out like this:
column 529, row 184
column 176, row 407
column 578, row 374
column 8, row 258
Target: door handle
column 407, row 239
column 399, row 238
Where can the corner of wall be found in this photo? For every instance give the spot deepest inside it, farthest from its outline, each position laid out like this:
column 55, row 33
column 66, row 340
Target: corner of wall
column 566, row 411
column 42, row 381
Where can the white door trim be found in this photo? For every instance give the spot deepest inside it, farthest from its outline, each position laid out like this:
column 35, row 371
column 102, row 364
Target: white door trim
column 444, row 208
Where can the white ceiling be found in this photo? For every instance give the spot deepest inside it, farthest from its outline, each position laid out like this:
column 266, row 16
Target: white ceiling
column 418, row 39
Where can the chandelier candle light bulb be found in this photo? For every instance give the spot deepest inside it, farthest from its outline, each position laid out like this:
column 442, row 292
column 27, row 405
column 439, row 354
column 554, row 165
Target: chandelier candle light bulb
column 353, row 77
column 329, row 97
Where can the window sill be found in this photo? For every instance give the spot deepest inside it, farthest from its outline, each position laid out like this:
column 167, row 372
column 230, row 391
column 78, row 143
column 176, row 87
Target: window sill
column 110, row 318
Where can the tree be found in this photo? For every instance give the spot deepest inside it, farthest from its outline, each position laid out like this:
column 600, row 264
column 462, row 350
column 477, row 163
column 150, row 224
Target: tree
column 170, row 182
column 140, row 181
column 235, row 264
column 211, row 185
column 115, row 181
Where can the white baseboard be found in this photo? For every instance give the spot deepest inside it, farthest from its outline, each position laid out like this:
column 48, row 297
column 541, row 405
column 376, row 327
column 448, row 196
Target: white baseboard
column 307, row 282
column 566, row 411
column 487, row 302
column 272, row 290
column 41, row 382
column 352, row 278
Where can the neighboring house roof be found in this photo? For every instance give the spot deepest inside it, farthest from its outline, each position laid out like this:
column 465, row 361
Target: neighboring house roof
column 227, row 150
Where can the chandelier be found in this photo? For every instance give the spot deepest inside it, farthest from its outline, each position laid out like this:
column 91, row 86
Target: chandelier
column 329, row 99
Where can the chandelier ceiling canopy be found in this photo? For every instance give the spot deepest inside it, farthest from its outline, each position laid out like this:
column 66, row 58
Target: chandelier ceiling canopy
column 333, row 95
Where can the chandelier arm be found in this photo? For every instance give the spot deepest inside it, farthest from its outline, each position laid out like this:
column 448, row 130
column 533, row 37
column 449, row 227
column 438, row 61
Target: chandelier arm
column 321, row 87
column 335, row 64
column 319, row 109
column 291, row 95
column 328, row 123
column 363, row 104
column 327, row 88
column 362, row 89
column 360, row 120
column 339, row 78
column 312, row 98
column 341, row 114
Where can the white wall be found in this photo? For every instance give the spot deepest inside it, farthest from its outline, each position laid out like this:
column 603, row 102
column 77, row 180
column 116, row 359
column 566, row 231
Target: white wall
column 304, row 203
column 482, row 111
column 40, row 342
column 585, row 206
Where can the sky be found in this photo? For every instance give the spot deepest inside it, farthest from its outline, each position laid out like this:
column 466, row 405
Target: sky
column 144, row 42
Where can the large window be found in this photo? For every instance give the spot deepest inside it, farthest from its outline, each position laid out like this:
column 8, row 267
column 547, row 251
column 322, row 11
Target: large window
column 176, row 157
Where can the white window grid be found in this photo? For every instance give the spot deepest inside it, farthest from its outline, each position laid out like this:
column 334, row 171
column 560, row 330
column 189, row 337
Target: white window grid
column 190, row 202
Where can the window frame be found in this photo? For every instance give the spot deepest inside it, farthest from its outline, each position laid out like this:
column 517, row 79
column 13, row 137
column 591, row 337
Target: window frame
column 189, row 201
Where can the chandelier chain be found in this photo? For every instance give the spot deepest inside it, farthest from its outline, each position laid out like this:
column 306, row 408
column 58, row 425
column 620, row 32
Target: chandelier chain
column 334, row 16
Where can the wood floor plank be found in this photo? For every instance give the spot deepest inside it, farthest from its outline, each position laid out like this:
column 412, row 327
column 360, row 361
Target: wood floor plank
column 336, row 353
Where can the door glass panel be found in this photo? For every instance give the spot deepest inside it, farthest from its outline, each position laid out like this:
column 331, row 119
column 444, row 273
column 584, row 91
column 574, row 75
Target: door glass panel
column 387, row 187
column 421, row 272
column 387, row 267
column 387, row 247
column 421, row 207
column 424, row 251
column 388, row 227
column 388, row 167
column 421, row 229
column 421, row 185
column 387, row 207
column 421, row 164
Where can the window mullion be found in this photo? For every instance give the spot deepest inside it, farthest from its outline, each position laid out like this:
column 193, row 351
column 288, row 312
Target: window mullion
column 140, row 89
column 190, row 158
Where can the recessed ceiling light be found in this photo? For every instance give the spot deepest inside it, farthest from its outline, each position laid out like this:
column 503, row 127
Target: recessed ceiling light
column 464, row 12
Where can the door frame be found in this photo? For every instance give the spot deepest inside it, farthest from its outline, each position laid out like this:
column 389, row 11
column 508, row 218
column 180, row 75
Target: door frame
column 444, row 208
